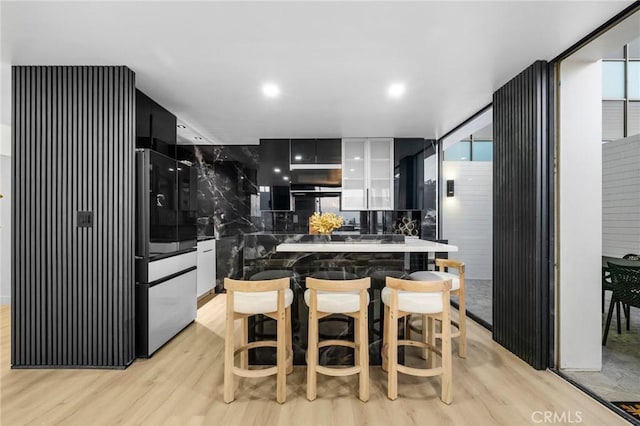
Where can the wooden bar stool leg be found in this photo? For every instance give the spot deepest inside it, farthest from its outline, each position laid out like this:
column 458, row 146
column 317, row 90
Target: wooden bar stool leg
column 462, row 325
column 289, row 339
column 356, row 339
column 363, row 344
column 281, row 354
column 425, row 336
column 392, row 382
column 447, row 378
column 385, row 340
column 228, row 351
column 244, row 341
column 312, row 350
column 429, row 330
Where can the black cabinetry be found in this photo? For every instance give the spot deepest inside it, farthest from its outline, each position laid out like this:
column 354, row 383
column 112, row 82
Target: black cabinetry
column 316, row 151
column 273, row 175
column 155, row 126
column 408, row 154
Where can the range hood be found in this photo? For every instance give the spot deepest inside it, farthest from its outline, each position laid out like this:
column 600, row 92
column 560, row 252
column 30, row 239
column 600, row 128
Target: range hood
column 306, row 177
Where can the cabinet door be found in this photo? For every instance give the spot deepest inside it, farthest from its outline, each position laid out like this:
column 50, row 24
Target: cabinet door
column 328, row 151
column 163, row 125
column 206, row 271
column 144, row 106
column 354, row 195
column 273, row 175
column 303, row 151
column 409, row 177
column 380, row 174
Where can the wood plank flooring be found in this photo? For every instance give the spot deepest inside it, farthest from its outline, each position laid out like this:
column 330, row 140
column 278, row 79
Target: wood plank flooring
column 182, row 385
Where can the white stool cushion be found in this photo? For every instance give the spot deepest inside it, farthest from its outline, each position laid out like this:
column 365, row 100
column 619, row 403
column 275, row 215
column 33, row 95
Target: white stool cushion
column 260, row 302
column 336, row 302
column 436, row 276
column 415, row 302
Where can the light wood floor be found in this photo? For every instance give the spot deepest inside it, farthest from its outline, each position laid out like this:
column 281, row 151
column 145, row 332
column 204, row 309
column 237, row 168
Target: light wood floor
column 182, row 384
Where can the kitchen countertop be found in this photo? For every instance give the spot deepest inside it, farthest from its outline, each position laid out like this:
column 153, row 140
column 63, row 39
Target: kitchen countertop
column 409, row 246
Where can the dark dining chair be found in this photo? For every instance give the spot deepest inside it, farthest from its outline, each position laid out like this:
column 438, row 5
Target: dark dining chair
column 625, row 283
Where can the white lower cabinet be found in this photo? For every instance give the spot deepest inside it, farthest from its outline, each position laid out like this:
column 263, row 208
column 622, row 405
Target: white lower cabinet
column 206, row 266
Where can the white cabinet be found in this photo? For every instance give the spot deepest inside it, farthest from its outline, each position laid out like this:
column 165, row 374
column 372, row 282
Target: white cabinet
column 367, row 174
column 206, row 266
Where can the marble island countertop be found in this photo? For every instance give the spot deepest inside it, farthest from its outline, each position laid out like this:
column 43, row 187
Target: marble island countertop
column 409, row 246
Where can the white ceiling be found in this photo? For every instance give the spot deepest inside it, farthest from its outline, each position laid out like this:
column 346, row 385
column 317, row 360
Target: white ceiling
column 206, row 61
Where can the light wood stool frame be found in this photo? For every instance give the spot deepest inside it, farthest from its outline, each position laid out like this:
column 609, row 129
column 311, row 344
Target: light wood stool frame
column 283, row 343
column 361, row 338
column 391, row 342
column 461, row 325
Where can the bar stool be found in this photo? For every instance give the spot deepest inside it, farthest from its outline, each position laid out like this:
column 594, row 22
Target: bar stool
column 457, row 289
column 348, row 297
column 427, row 298
column 272, row 298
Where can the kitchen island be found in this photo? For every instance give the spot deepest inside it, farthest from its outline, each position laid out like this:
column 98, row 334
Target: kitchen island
column 301, row 255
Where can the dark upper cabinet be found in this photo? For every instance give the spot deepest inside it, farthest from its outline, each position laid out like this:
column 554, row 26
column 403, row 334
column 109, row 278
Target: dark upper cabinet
column 303, row 151
column 163, row 125
column 408, row 154
column 273, row 175
column 144, row 108
column 155, row 126
column 329, row 151
column 316, row 151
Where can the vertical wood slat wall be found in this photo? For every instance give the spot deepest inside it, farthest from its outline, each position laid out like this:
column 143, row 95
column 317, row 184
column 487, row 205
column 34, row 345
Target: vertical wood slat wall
column 521, row 190
column 73, row 148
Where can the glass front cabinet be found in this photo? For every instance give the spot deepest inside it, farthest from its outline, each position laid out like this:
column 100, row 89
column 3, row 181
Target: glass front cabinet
column 367, row 174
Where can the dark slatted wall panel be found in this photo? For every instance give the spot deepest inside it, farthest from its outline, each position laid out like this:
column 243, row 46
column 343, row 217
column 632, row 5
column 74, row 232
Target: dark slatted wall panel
column 73, row 147
column 520, row 216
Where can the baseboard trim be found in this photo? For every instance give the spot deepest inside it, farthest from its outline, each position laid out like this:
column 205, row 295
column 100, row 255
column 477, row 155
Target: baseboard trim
column 5, row 300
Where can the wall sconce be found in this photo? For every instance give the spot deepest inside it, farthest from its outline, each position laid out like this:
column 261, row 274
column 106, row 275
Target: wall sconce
column 450, row 188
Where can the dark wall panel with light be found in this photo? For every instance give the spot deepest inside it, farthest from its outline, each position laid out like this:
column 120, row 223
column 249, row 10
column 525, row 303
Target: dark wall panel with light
column 521, row 216
column 73, row 236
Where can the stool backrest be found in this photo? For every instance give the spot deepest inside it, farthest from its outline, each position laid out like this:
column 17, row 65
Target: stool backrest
column 256, row 286
column 338, row 285
column 419, row 286
column 450, row 263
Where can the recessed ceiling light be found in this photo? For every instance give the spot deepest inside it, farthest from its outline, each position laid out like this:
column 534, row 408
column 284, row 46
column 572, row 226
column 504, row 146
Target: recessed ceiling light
column 298, row 157
column 181, row 126
column 285, row 177
column 276, row 170
column 352, row 170
column 396, row 90
column 356, row 158
column 271, row 90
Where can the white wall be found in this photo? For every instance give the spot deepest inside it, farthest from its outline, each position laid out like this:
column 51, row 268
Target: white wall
column 578, row 285
column 467, row 217
column 5, row 183
column 5, row 229
column 621, row 197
